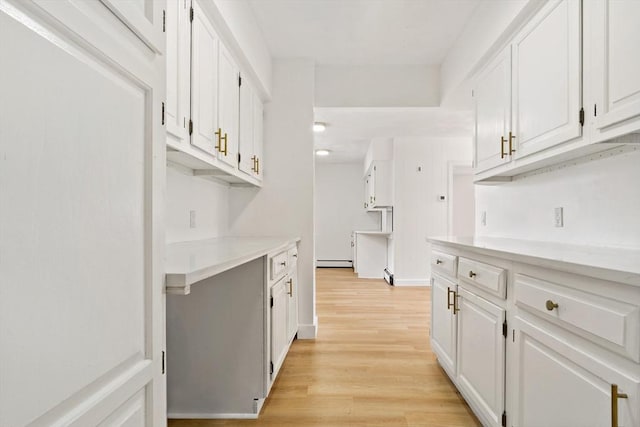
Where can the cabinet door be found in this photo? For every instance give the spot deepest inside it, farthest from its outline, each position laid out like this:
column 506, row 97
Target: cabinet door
column 144, row 17
column 204, row 81
column 245, row 139
column 292, row 311
column 279, row 305
column 178, row 57
column 481, row 355
column 492, row 95
column 546, row 79
column 258, row 134
column 559, row 386
column 228, row 107
column 443, row 323
column 615, row 39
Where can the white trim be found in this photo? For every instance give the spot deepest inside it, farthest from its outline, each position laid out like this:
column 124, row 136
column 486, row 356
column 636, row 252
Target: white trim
column 208, row 416
column 411, row 282
column 308, row 332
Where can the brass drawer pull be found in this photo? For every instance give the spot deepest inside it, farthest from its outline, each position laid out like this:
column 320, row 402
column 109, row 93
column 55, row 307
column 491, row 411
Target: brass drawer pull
column 438, row 261
column 511, row 138
column 253, row 159
column 283, row 263
column 551, row 305
column 455, row 302
column 472, row 274
column 502, row 153
column 614, row 403
column 218, row 133
column 290, row 287
column 449, row 292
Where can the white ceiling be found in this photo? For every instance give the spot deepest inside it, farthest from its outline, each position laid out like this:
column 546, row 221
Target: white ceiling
column 349, row 130
column 362, row 32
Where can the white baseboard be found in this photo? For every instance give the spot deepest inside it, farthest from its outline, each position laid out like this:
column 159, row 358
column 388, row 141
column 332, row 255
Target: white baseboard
column 411, row 282
column 336, row 263
column 215, row 416
column 308, row 332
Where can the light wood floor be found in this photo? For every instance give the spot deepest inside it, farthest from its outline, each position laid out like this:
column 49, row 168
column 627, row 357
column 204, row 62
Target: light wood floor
column 371, row 364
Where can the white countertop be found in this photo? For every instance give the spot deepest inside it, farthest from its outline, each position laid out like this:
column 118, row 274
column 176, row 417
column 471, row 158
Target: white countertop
column 192, row 261
column 624, row 263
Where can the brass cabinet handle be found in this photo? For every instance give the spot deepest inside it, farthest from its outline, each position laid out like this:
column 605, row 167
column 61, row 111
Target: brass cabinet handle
column 455, row 302
column 253, row 159
column 614, row 404
column 218, row 133
column 283, row 263
column 502, row 153
column 449, row 303
column 290, row 287
column 258, row 165
column 551, row 305
column 438, row 261
column 511, row 138
column 226, row 146
column 472, row 274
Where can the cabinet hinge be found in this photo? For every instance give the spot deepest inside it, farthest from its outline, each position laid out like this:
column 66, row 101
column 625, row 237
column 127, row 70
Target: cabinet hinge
column 239, row 80
column 271, row 368
column 163, row 370
column 582, row 117
column 271, row 303
column 504, row 329
column 239, row 158
column 191, row 15
column 504, row 419
column 595, row 110
column 163, row 113
column 164, row 21
column 190, row 126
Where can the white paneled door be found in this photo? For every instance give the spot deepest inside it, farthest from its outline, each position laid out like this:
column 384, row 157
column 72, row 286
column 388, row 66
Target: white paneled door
column 81, row 243
column 443, row 323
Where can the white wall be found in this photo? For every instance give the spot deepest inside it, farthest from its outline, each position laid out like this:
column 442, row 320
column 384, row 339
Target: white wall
column 485, row 27
column 209, row 199
column 417, row 211
column 601, row 201
column 377, row 86
column 339, row 194
column 284, row 206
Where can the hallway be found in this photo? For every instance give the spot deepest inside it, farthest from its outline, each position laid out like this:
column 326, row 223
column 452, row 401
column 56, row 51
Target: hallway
column 371, row 364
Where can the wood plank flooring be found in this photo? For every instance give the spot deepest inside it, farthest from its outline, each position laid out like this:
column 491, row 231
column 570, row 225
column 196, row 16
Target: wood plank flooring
column 371, row 364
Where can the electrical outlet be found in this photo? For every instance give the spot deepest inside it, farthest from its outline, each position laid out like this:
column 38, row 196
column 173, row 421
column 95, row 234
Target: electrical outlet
column 559, row 217
column 483, row 218
column 192, row 219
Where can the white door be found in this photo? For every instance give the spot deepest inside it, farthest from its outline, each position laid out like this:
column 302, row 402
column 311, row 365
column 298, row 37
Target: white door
column 559, row 386
column 279, row 304
column 481, row 355
column 614, row 39
column 492, row 96
column 443, row 323
column 204, row 82
column 81, row 238
column 245, row 138
column 292, row 311
column 547, row 79
column 178, row 57
column 228, row 107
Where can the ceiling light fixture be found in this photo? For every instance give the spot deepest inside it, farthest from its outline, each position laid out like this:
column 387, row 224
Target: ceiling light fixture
column 319, row 127
column 322, row 152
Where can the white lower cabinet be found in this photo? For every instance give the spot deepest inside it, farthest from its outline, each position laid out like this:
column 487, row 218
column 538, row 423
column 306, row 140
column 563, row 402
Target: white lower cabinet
column 292, row 303
column 481, row 355
column 558, row 385
column 554, row 349
column 444, row 323
column 279, row 308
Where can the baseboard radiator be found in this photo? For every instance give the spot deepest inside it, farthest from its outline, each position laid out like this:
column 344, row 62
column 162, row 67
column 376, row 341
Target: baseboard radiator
column 334, row 263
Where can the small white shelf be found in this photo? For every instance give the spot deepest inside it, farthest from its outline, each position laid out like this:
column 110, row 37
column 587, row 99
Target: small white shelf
column 618, row 264
column 192, row 261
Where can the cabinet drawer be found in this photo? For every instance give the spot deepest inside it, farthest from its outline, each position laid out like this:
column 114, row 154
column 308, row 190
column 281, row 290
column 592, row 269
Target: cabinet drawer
column 292, row 255
column 607, row 322
column 279, row 264
column 444, row 263
column 487, row 277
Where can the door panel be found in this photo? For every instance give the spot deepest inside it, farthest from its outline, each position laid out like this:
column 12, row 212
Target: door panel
column 258, row 134
column 443, row 324
column 278, row 325
column 246, row 137
column 292, row 311
column 79, row 324
column 178, row 56
column 228, row 105
column 546, row 79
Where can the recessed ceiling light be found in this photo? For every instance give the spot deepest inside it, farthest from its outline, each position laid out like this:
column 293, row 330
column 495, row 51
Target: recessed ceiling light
column 322, row 152
column 319, row 127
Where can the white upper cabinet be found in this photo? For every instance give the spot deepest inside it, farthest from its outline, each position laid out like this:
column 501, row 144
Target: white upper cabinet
column 546, row 80
column 228, row 108
column 492, row 95
column 614, row 44
column 146, row 17
column 378, row 185
column 258, row 135
column 177, row 106
column 204, row 82
column 250, row 138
